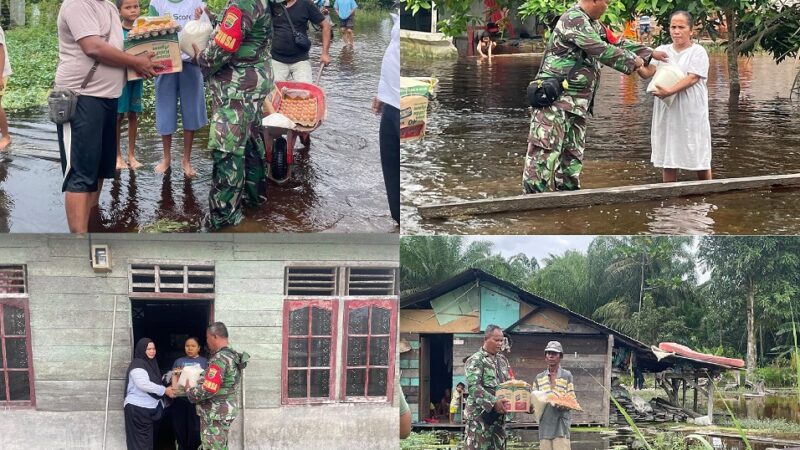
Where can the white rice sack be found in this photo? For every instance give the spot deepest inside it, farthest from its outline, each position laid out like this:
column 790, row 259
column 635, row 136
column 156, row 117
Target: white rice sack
column 196, row 32
column 191, row 374
column 278, row 120
column 539, row 401
column 667, row 75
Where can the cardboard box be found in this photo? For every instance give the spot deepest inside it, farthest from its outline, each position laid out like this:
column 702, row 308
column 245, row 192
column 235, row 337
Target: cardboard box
column 413, row 114
column 518, row 398
column 166, row 48
column 411, row 86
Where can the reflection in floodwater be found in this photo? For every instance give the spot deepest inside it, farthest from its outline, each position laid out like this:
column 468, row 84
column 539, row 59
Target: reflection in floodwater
column 337, row 184
column 476, row 137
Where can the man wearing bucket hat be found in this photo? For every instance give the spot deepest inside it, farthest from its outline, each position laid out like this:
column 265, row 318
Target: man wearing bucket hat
column 485, row 414
column 555, row 422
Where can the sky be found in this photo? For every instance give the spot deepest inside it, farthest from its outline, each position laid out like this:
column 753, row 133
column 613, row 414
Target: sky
column 539, row 247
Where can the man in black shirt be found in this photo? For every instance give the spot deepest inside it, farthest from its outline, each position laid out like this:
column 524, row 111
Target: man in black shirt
column 288, row 61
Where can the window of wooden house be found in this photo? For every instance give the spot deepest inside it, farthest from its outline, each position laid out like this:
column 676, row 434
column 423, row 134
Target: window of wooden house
column 369, row 348
column 195, row 280
column 371, row 281
column 309, row 351
column 16, row 368
column 311, row 281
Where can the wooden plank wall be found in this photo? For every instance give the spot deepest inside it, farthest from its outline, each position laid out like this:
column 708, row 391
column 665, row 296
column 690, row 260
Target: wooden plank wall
column 409, row 373
column 71, row 307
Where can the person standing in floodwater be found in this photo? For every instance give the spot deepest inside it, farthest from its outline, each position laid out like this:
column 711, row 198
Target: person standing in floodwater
column 557, row 137
column 681, row 133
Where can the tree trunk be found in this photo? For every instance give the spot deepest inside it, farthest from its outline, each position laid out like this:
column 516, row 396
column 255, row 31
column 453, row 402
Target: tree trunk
column 17, row 13
column 751, row 329
column 733, row 56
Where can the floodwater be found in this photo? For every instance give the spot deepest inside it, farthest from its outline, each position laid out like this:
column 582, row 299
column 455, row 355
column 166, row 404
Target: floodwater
column 766, row 407
column 337, row 185
column 476, row 140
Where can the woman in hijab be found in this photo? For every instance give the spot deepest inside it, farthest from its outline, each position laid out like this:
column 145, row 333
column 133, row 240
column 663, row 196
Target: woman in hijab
column 143, row 391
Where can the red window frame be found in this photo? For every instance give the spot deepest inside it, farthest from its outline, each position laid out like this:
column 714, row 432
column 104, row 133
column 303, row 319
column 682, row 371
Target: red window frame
column 332, row 305
column 23, row 304
column 392, row 306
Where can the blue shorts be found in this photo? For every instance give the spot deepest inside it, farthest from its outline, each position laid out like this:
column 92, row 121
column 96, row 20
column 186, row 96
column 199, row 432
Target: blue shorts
column 131, row 98
column 188, row 86
column 644, row 29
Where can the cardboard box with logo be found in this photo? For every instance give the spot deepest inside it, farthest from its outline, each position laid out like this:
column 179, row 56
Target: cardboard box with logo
column 517, row 395
column 166, row 49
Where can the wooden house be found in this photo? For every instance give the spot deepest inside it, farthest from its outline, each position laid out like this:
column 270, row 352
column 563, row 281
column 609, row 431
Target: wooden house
column 316, row 312
column 442, row 326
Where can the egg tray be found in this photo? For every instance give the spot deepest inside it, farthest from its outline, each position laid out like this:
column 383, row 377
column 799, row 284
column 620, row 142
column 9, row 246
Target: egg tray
column 145, row 27
column 302, row 111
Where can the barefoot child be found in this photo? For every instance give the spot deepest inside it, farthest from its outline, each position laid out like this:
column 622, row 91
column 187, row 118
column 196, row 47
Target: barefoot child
column 131, row 100
column 5, row 69
column 186, row 86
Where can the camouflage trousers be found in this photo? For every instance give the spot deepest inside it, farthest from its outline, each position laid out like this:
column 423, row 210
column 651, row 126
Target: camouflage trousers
column 214, row 433
column 239, row 175
column 555, row 151
column 480, row 436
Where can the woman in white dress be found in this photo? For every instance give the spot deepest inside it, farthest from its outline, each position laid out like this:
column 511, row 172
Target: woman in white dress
column 680, row 132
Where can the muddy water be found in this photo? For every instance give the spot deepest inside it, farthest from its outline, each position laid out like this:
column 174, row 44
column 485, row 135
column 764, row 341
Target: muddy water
column 767, row 407
column 337, row 186
column 475, row 145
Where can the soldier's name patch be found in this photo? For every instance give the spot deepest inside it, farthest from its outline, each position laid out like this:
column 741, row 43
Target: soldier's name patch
column 213, row 379
column 229, row 37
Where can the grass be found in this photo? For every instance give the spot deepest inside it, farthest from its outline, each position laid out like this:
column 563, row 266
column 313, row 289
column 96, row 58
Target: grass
column 33, row 53
column 771, row 425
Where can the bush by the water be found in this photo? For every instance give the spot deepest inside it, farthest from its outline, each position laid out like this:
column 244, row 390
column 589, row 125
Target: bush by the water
column 34, row 55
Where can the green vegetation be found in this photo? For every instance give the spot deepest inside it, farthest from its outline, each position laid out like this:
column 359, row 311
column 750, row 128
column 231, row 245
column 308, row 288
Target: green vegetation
column 33, row 53
column 769, row 425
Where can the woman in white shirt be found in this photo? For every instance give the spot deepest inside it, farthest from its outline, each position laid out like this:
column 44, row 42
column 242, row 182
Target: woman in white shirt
column 143, row 393
column 681, row 132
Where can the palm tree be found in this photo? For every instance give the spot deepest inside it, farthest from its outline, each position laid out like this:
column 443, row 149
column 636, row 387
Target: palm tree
column 427, row 260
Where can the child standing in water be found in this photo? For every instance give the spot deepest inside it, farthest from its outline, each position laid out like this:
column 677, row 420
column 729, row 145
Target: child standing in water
column 131, row 100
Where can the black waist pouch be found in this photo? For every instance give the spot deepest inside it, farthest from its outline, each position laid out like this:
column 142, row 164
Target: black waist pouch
column 544, row 91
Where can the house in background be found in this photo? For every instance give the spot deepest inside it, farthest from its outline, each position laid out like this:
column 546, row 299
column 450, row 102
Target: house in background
column 443, row 325
column 316, row 312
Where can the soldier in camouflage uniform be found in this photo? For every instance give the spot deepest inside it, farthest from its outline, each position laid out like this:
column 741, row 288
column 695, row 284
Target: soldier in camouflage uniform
column 558, row 132
column 217, row 398
column 236, row 64
column 484, row 414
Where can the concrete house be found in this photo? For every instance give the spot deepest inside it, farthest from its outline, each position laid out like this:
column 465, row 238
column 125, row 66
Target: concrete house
column 316, row 312
column 443, row 325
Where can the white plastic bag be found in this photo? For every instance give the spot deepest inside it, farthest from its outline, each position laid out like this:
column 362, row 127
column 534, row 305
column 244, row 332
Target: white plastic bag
column 196, row 32
column 190, row 374
column 667, row 75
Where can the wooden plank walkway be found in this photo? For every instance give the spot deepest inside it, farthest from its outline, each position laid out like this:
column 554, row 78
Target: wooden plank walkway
column 599, row 196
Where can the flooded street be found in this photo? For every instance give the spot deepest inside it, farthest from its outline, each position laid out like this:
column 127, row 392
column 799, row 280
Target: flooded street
column 476, row 140
column 337, row 185
column 783, row 407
